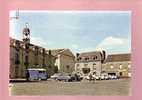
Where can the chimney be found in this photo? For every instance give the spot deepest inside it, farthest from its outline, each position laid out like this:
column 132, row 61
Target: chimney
column 49, row 52
column 77, row 54
column 103, row 56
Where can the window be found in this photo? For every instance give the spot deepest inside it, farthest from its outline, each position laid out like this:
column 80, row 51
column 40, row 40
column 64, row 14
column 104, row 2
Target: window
column 85, row 65
column 94, row 68
column 129, row 74
column 26, row 60
column 80, row 58
column 94, row 64
column 77, row 65
column 85, row 70
column 120, row 66
column 94, row 58
column 17, row 61
column 67, row 66
column 129, row 65
column 77, row 59
column 86, row 59
column 111, row 66
column 40, row 71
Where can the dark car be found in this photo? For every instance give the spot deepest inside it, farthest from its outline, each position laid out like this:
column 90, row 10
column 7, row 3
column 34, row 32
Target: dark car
column 75, row 77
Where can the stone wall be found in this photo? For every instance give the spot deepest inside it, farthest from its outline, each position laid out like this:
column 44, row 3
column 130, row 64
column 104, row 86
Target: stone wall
column 17, row 61
column 122, row 69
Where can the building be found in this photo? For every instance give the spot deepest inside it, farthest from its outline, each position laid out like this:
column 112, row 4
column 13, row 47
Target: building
column 118, row 64
column 65, row 60
column 97, row 63
column 38, row 57
column 89, row 62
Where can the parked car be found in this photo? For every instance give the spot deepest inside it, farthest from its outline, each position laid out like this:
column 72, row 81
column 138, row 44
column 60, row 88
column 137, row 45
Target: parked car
column 64, row 77
column 55, row 76
column 75, row 77
column 102, row 77
column 111, row 77
column 90, row 77
column 106, row 77
column 87, row 77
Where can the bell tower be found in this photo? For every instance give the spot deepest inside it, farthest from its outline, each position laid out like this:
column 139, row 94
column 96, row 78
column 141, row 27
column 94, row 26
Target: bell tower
column 26, row 41
column 26, row 34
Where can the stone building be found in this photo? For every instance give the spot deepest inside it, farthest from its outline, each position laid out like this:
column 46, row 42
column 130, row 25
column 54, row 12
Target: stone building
column 38, row 58
column 118, row 64
column 89, row 62
column 97, row 62
column 65, row 60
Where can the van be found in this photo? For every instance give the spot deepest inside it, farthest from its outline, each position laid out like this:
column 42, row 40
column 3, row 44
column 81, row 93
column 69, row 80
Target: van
column 36, row 74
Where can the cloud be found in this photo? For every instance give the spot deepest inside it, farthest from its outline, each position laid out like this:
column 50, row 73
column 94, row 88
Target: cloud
column 87, row 49
column 74, row 46
column 40, row 42
column 114, row 44
column 12, row 30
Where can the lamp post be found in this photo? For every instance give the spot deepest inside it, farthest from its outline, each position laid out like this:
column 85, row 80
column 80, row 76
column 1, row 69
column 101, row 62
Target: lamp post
column 43, row 52
column 26, row 40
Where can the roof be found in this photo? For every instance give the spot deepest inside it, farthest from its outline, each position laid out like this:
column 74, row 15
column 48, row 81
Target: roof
column 118, row 57
column 90, row 56
column 40, row 69
column 66, row 52
column 55, row 52
column 86, row 54
column 31, row 46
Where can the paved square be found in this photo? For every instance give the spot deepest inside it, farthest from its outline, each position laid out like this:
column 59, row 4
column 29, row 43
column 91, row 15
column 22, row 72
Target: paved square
column 120, row 87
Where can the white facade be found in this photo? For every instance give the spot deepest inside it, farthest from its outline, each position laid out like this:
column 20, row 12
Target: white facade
column 95, row 67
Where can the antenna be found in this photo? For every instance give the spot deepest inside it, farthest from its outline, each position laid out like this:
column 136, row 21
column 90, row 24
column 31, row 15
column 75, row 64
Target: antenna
column 16, row 15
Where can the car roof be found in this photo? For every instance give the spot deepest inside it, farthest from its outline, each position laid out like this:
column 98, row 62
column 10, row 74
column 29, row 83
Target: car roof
column 38, row 69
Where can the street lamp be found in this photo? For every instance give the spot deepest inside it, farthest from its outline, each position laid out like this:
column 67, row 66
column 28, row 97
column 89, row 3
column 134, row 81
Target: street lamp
column 43, row 52
column 26, row 40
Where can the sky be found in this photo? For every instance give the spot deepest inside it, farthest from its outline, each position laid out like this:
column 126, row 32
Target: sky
column 79, row 31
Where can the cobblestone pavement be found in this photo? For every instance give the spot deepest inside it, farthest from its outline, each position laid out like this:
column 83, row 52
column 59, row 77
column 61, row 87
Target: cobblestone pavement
column 104, row 87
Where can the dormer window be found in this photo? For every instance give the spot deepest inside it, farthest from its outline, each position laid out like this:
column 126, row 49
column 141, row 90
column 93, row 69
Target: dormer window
column 80, row 58
column 77, row 59
column 87, row 59
column 94, row 58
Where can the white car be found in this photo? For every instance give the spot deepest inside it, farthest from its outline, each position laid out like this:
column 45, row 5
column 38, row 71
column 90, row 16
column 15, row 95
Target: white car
column 113, row 77
column 97, row 77
column 55, row 75
column 106, row 77
column 102, row 77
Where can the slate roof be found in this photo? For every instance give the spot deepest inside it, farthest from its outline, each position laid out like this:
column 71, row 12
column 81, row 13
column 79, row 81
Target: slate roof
column 55, row 52
column 118, row 57
column 90, row 56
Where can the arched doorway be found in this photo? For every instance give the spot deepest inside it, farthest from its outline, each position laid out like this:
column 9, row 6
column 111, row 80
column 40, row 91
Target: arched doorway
column 85, row 70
